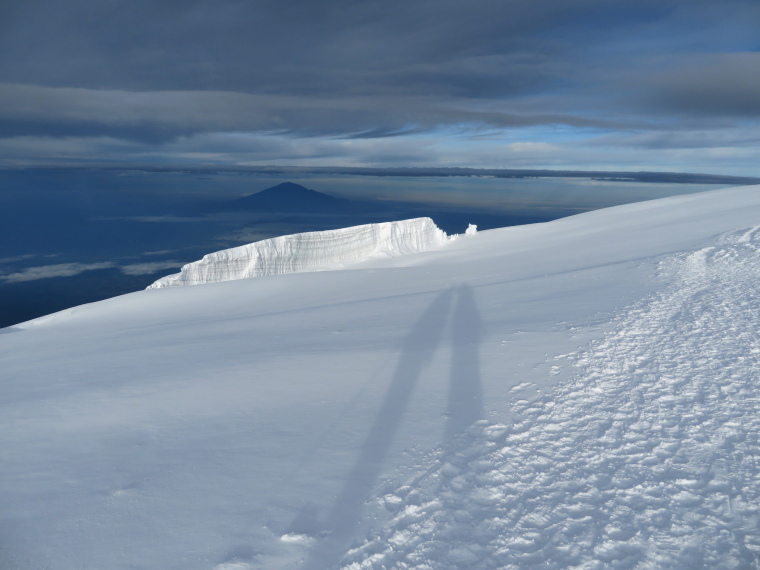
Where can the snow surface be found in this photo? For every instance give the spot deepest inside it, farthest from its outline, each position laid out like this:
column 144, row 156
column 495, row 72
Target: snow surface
column 311, row 251
column 576, row 394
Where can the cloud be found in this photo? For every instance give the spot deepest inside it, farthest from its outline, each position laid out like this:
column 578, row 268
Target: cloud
column 231, row 81
column 712, row 85
column 16, row 258
column 159, row 252
column 284, row 46
column 149, row 268
column 685, row 139
column 57, row 270
column 72, row 269
column 166, row 219
column 157, row 117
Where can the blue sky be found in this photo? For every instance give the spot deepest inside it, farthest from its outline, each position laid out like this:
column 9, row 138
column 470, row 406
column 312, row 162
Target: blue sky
column 669, row 85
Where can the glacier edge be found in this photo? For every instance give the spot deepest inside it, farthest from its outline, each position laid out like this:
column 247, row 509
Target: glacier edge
column 310, row 251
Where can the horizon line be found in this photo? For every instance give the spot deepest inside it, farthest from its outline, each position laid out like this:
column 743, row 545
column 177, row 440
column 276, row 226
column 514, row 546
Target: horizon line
column 645, row 176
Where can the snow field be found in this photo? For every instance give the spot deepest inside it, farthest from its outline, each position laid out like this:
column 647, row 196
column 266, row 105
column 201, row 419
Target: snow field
column 408, row 412
column 646, row 458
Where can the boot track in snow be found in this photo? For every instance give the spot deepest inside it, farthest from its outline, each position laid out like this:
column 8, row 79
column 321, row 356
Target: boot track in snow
column 645, row 457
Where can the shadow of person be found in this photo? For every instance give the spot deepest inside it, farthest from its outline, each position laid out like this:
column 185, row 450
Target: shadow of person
column 465, row 400
column 418, row 348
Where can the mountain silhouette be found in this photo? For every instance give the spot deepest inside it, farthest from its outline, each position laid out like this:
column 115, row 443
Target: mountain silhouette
column 288, row 202
column 292, row 197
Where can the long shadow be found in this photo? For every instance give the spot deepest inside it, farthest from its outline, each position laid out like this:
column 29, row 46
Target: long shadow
column 465, row 400
column 418, row 349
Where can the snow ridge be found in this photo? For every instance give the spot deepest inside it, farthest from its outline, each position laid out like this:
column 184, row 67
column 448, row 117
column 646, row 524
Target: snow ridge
column 645, row 458
column 310, row 251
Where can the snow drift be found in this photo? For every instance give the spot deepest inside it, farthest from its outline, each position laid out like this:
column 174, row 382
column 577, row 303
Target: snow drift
column 310, row 251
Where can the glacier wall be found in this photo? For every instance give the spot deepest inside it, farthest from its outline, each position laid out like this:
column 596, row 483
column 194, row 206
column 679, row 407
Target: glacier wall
column 310, row 251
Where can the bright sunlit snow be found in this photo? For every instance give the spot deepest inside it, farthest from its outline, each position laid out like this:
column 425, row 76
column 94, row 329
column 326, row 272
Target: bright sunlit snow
column 581, row 393
column 311, row 251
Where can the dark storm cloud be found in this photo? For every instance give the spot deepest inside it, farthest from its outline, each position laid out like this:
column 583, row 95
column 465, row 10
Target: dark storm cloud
column 284, row 46
column 166, row 115
column 715, row 85
column 153, row 72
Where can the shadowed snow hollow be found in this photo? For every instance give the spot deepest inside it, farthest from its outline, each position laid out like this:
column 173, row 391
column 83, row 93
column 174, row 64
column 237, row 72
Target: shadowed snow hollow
column 310, row 251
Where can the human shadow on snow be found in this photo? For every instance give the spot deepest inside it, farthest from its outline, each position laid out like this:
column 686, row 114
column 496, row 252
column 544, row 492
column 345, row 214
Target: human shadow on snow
column 464, row 407
column 465, row 399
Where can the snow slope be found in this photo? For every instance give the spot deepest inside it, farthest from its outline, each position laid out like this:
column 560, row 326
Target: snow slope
column 646, row 457
column 581, row 393
column 310, row 251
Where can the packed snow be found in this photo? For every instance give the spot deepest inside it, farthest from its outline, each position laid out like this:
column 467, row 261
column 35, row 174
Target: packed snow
column 311, row 251
column 646, row 456
column 576, row 394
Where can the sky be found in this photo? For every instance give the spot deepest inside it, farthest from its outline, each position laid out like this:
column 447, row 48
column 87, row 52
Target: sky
column 665, row 85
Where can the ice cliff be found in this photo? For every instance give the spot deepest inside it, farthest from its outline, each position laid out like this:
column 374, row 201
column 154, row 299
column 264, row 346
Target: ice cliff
column 310, row 251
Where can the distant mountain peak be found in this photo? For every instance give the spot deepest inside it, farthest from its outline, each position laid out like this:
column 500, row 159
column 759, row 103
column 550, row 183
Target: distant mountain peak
column 292, row 197
column 290, row 188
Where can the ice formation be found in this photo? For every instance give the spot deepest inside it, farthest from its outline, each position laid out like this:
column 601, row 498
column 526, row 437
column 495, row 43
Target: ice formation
column 310, row 251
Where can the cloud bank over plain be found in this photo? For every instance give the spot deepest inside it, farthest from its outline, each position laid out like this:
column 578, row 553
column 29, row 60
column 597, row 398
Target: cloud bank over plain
column 538, row 83
column 71, row 269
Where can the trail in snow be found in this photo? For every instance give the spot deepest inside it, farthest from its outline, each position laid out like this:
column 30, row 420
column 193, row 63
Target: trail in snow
column 647, row 456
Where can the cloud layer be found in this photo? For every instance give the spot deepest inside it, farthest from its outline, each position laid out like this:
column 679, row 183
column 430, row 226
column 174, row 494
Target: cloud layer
column 55, row 270
column 71, row 269
column 277, row 80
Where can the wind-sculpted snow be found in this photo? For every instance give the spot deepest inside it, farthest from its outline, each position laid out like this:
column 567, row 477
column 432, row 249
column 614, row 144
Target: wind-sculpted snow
column 310, row 251
column 646, row 457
